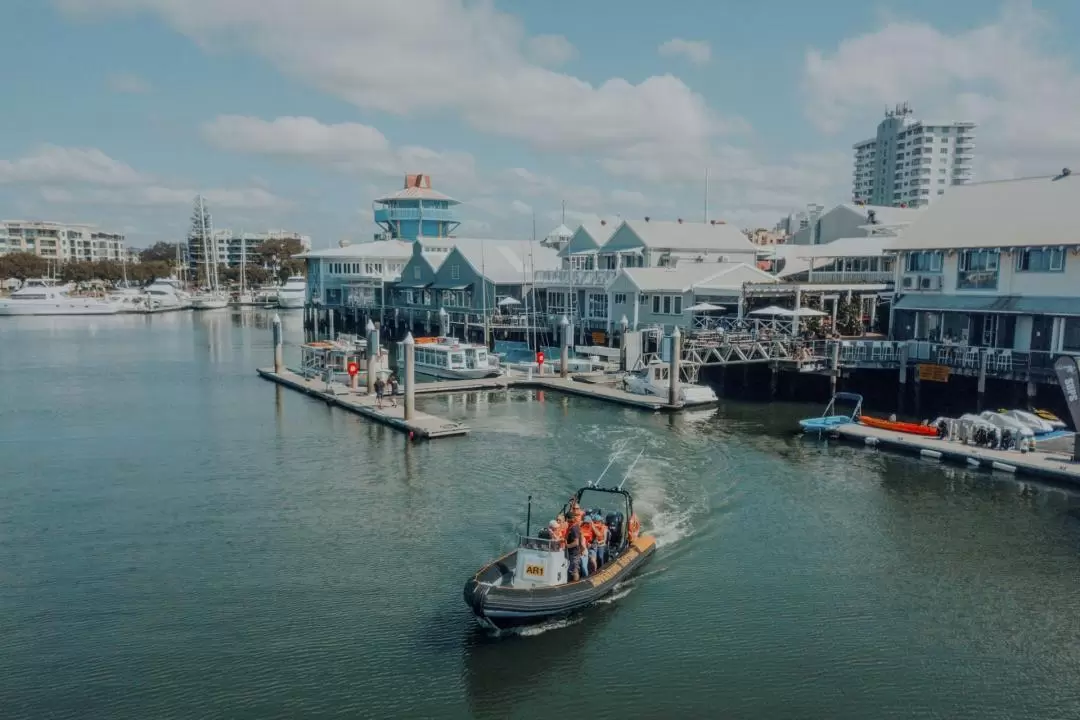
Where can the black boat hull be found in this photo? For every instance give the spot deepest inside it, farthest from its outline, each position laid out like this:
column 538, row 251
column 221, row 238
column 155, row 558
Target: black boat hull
column 503, row 607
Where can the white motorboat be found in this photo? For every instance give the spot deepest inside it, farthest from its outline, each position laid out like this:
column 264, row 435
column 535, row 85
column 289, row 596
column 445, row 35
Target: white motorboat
column 37, row 298
column 164, row 294
column 209, row 301
column 655, row 380
column 1037, row 424
column 129, row 300
column 452, row 359
column 293, row 294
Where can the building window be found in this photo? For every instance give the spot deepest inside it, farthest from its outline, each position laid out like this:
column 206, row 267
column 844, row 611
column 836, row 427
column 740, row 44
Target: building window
column 416, row 272
column 1070, row 335
column 1041, row 260
column 667, row 304
column 927, row 261
column 455, row 272
column 978, row 270
column 598, row 306
column 620, row 298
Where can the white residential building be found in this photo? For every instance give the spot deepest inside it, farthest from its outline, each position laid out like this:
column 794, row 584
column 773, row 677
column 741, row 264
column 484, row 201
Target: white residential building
column 912, row 163
column 61, row 241
column 995, row 265
column 232, row 246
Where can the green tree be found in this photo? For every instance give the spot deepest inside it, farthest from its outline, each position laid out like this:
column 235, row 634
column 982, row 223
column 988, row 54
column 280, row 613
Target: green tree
column 849, row 317
column 22, row 265
column 159, row 252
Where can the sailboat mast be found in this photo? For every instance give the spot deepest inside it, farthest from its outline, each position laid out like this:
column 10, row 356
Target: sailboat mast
column 483, row 285
column 205, row 240
column 243, row 261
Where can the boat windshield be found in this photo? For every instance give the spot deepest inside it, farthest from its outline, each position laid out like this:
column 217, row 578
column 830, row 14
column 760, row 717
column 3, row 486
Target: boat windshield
column 457, row 359
column 536, row 543
column 29, row 296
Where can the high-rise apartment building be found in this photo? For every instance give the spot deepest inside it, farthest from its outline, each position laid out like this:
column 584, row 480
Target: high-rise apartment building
column 911, row 163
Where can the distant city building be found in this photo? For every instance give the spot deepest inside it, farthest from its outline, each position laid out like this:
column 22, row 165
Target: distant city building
column 796, row 221
column 911, row 163
column 61, row 241
column 230, row 248
column 415, row 211
column 761, row 236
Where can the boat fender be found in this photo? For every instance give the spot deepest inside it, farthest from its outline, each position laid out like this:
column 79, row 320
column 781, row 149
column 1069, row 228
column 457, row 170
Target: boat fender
column 1003, row 467
column 973, row 462
column 932, row 454
column 871, row 441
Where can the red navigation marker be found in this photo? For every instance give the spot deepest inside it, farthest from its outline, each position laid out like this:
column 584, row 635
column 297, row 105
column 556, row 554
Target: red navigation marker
column 353, row 368
column 539, row 358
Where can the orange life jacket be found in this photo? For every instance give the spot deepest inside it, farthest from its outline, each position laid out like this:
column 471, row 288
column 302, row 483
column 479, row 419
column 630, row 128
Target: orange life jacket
column 599, row 532
column 635, row 527
column 560, row 531
column 586, row 534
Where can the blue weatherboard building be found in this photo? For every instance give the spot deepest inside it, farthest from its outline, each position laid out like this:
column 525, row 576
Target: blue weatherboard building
column 416, row 211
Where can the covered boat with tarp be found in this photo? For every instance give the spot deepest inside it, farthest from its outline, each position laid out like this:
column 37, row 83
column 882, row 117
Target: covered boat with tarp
column 529, row 584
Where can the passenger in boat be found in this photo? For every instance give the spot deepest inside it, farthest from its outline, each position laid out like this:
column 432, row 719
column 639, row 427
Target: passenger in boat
column 588, row 559
column 600, row 531
column 634, row 528
column 573, row 549
column 560, row 527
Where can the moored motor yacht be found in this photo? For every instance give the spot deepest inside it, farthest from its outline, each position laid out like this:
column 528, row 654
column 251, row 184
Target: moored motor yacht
column 293, row 294
column 165, row 294
column 42, row 299
column 209, row 301
column 654, row 379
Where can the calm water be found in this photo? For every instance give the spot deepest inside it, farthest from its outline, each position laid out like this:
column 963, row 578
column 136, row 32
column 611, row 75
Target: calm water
column 180, row 539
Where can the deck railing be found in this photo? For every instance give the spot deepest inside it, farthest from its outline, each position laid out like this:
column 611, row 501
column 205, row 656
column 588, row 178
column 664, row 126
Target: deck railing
column 577, row 278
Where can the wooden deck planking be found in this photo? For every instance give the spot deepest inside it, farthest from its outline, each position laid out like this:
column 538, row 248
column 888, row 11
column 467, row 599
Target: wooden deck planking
column 1056, row 466
column 422, row 425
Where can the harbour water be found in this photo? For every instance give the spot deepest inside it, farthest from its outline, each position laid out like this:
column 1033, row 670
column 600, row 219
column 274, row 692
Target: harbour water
column 181, row 539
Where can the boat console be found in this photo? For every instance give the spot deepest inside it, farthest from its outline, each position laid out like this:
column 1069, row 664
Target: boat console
column 540, row 563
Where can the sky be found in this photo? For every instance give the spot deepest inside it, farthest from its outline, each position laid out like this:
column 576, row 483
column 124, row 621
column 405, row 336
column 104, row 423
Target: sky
column 290, row 114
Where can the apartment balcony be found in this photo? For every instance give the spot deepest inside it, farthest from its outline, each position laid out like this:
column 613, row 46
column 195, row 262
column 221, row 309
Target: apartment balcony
column 576, row 278
column 395, row 214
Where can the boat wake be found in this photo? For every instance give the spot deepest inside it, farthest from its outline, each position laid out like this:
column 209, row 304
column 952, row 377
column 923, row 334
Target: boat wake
column 541, row 628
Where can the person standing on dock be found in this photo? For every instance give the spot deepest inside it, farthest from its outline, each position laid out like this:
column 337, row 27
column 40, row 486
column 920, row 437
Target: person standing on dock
column 393, row 383
column 380, row 388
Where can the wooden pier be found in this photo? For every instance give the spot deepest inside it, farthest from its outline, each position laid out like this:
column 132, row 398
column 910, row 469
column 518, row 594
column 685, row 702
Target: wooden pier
column 422, row 425
column 1039, row 463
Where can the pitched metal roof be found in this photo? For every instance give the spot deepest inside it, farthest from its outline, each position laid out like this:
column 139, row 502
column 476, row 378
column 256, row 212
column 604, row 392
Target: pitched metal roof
column 689, row 275
column 886, row 214
column 664, row 235
column 1009, row 213
column 416, row 193
column 845, row 247
column 506, row 261
column 382, row 249
column 1024, row 305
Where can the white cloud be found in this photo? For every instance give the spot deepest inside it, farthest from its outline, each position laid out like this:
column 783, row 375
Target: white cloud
column 696, row 51
column 55, row 164
column 349, row 147
column 465, row 58
column 521, row 208
column 1002, row 75
column 161, row 196
column 128, row 83
column 550, row 50
column 632, row 198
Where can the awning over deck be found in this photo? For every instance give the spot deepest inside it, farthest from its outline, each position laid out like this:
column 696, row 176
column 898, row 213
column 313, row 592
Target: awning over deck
column 1012, row 304
column 456, row 286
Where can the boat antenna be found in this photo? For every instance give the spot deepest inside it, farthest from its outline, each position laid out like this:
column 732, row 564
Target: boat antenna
column 630, row 469
column 596, row 482
column 528, row 519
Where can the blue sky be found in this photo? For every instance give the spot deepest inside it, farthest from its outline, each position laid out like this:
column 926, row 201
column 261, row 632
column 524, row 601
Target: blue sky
column 296, row 114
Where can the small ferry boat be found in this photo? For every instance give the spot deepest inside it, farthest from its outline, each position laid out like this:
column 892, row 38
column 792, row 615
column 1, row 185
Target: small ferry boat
column 832, row 418
column 654, row 380
column 899, row 426
column 529, row 584
column 451, row 359
column 293, row 294
column 42, row 298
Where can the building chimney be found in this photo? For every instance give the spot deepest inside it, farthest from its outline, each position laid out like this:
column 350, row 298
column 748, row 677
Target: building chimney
column 646, row 218
column 603, row 222
column 680, row 221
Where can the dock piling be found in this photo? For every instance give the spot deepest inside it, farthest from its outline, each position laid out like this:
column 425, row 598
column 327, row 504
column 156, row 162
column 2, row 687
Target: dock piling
column 564, row 350
column 624, row 324
column 982, row 380
column 834, row 367
column 673, row 379
column 372, row 355
column 279, row 355
column 444, row 323
column 330, row 323
column 410, row 375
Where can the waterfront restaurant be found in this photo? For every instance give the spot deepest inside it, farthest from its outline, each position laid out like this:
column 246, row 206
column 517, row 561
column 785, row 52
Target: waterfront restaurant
column 994, row 265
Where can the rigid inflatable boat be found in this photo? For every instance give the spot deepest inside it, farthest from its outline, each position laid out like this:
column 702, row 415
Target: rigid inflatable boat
column 529, row 584
column 904, row 427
